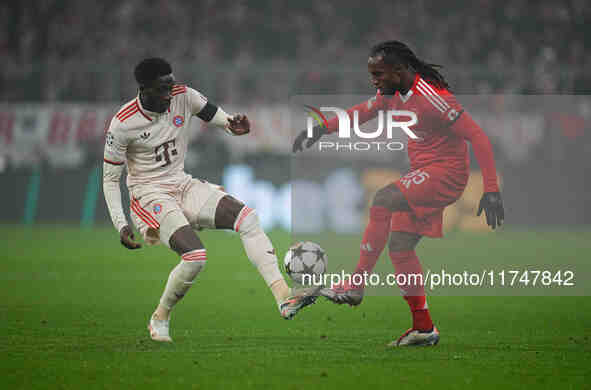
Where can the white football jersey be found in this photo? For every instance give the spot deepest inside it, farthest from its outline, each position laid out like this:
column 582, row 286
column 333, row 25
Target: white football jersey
column 153, row 145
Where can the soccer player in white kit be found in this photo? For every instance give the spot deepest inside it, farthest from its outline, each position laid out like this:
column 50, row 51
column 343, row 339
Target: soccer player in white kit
column 149, row 134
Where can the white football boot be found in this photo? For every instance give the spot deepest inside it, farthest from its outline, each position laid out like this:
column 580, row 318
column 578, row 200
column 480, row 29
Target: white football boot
column 344, row 293
column 417, row 338
column 159, row 330
column 297, row 300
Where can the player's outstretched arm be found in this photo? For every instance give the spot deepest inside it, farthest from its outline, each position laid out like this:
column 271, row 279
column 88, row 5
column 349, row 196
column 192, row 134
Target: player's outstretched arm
column 233, row 125
column 365, row 111
column 114, row 163
column 238, row 124
column 491, row 201
column 111, row 176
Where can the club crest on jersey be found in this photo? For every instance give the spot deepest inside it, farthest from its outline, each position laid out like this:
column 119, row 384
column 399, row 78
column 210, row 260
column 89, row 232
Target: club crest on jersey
column 157, row 208
column 178, row 120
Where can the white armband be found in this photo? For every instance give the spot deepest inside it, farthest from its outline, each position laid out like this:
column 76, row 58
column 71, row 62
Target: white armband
column 220, row 119
column 111, row 176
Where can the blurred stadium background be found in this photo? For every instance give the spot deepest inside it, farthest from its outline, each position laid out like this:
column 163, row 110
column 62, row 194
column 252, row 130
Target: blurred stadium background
column 67, row 66
column 74, row 302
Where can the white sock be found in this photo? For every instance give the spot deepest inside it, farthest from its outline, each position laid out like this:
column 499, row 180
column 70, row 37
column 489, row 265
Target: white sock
column 257, row 245
column 182, row 277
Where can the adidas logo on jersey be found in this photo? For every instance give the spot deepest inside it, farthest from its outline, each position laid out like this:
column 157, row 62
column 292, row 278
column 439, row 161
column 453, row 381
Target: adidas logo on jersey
column 366, row 247
column 145, row 135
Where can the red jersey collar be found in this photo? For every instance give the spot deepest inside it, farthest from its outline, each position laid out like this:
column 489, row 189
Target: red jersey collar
column 410, row 91
column 408, row 94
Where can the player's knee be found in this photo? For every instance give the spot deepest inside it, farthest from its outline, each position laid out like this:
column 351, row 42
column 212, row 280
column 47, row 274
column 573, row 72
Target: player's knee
column 384, row 197
column 191, row 264
column 391, row 198
column 247, row 221
column 402, row 241
column 227, row 212
column 184, row 240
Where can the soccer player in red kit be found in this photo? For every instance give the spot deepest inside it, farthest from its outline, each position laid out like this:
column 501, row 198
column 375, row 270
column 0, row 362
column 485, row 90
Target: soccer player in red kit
column 412, row 207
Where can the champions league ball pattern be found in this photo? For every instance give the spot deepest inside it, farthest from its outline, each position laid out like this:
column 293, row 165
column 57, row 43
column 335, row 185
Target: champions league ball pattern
column 305, row 258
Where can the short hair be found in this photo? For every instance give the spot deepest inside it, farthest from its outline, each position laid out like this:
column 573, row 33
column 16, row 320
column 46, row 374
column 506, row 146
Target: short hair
column 150, row 69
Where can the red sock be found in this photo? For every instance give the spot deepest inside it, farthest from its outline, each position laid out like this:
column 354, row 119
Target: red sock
column 407, row 263
column 374, row 239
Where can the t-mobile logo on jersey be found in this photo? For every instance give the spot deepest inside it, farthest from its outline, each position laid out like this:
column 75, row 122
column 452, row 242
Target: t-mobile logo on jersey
column 165, row 152
column 395, row 119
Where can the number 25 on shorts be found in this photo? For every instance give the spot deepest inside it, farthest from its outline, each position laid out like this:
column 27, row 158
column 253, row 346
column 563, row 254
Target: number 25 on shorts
column 414, row 177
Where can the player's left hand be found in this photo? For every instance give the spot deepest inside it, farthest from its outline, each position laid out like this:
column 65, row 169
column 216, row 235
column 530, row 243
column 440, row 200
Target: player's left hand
column 492, row 204
column 128, row 238
column 239, row 124
column 298, row 144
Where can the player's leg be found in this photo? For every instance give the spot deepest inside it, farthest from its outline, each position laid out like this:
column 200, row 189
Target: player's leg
column 207, row 206
column 428, row 190
column 405, row 261
column 233, row 214
column 410, row 274
column 387, row 200
column 160, row 218
column 193, row 256
column 176, row 232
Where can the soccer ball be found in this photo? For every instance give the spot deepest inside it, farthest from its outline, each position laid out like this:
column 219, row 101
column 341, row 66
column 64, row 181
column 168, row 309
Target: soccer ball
column 305, row 258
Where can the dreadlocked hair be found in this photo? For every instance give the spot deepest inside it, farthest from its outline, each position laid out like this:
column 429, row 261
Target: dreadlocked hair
column 396, row 52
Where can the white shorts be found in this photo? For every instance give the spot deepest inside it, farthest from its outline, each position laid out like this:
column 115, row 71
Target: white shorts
column 158, row 211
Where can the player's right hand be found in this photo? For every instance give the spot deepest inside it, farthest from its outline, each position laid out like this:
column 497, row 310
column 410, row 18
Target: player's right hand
column 127, row 238
column 298, row 144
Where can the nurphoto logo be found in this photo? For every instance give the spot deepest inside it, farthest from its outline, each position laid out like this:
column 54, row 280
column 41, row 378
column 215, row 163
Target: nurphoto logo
column 394, row 119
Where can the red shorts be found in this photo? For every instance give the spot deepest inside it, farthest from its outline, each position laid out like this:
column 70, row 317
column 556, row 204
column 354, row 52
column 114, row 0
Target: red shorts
column 428, row 191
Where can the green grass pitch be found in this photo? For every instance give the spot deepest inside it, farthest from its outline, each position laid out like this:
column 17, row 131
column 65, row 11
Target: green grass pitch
column 74, row 307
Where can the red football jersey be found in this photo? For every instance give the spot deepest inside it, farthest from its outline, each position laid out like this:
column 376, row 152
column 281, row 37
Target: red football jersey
column 439, row 141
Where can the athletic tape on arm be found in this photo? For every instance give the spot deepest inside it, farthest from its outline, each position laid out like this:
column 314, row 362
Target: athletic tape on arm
column 221, row 120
